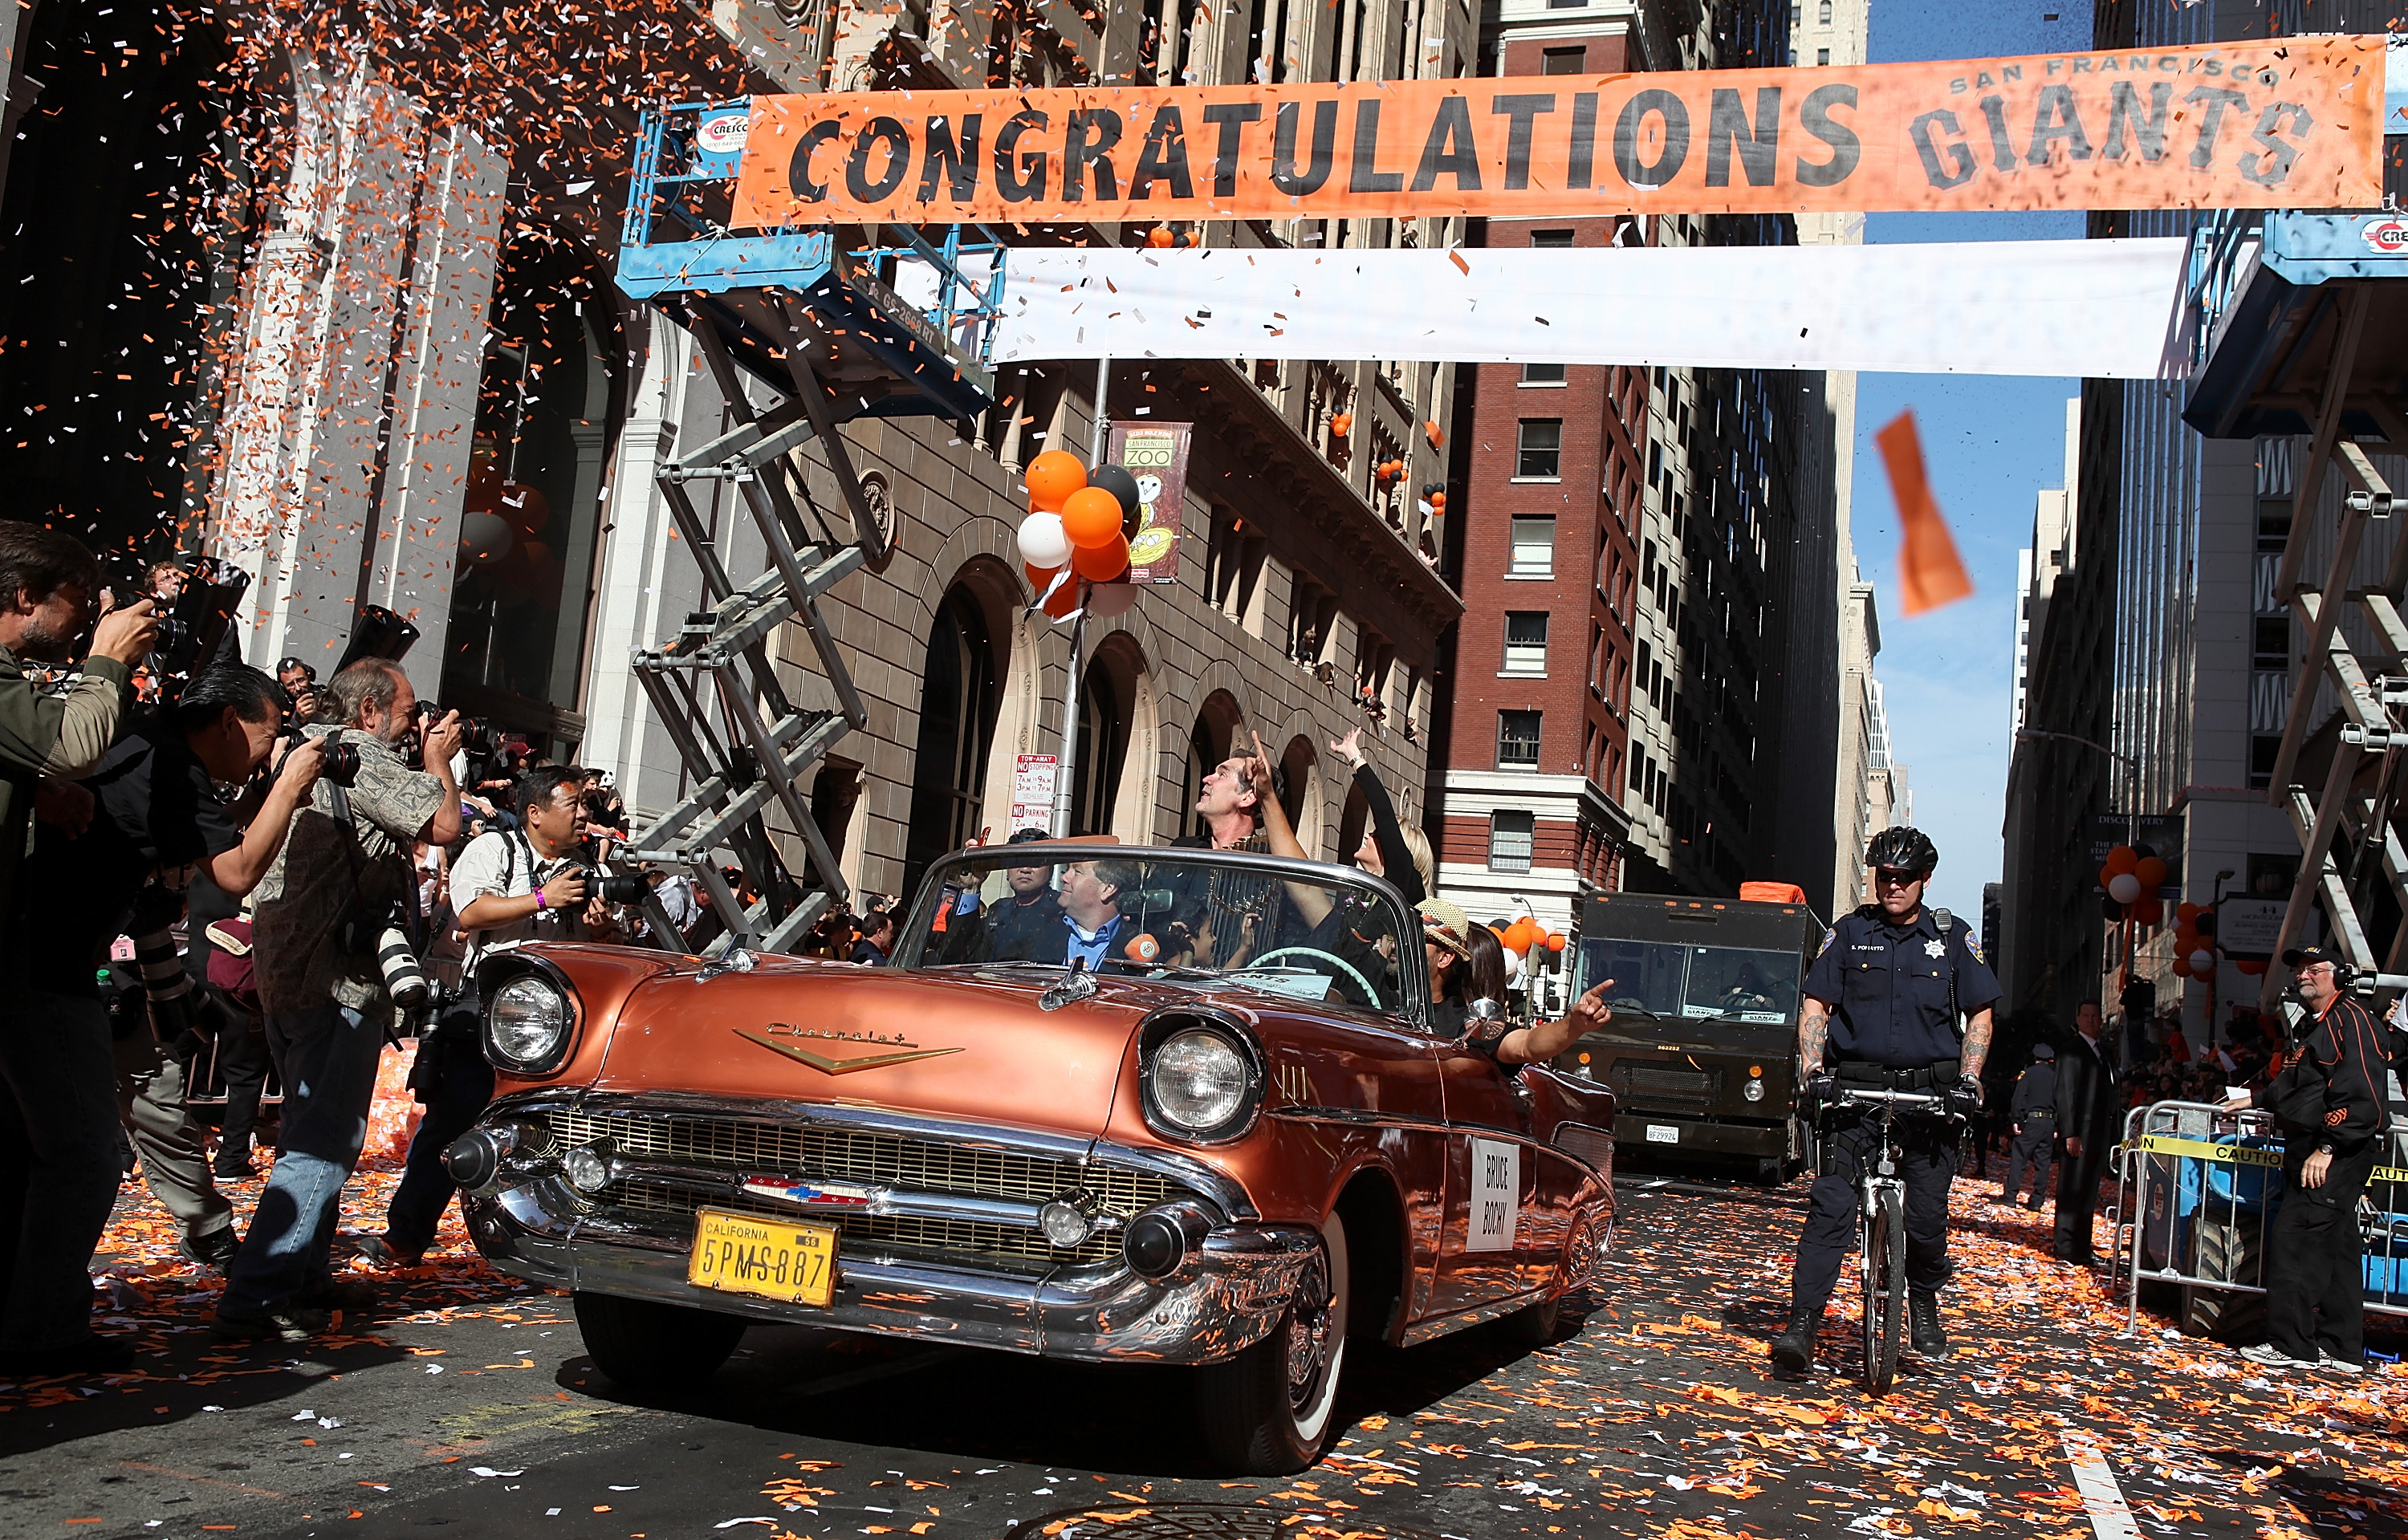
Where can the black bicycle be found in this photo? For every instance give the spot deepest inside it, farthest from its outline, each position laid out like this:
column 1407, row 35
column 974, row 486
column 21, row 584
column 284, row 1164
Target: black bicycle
column 1881, row 1223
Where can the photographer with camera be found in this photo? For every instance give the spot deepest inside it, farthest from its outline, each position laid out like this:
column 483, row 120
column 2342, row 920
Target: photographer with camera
column 154, row 821
column 300, row 681
column 510, row 886
column 57, row 1098
column 328, row 921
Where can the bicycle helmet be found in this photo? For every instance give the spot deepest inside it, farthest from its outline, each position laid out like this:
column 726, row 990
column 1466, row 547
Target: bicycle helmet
column 1902, row 849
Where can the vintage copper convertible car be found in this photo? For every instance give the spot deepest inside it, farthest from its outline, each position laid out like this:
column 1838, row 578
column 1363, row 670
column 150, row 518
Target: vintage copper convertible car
column 1166, row 1105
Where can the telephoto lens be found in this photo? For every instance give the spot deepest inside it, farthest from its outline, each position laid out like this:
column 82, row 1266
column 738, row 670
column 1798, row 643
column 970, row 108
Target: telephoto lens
column 341, row 763
column 404, row 980
column 623, row 887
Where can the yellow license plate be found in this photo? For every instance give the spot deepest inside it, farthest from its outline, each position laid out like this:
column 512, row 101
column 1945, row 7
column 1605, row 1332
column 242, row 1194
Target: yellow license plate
column 746, row 1254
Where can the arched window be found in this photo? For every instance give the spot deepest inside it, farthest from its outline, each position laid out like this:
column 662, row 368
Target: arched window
column 1103, row 750
column 1207, row 743
column 1823, row 13
column 958, row 701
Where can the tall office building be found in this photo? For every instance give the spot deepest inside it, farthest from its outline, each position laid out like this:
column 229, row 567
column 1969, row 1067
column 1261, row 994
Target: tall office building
column 1646, row 685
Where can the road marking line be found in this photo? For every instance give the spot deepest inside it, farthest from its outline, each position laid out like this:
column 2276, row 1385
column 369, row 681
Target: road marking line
column 2110, row 1519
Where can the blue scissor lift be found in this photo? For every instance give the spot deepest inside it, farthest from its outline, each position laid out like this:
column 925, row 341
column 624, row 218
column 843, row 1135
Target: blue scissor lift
column 821, row 325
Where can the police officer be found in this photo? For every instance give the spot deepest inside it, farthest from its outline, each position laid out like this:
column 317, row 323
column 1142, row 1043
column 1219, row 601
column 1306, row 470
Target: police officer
column 1882, row 999
column 2035, row 1120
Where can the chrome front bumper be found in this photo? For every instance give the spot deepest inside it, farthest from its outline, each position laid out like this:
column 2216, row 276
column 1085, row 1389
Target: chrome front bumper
column 1224, row 1298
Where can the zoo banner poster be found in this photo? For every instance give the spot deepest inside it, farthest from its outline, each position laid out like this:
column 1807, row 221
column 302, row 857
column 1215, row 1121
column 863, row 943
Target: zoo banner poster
column 1156, row 454
column 2290, row 123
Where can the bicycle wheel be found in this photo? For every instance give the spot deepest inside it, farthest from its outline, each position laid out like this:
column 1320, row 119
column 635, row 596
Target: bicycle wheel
column 1885, row 1268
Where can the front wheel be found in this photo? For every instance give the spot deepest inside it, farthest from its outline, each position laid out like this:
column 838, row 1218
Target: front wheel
column 646, row 1345
column 1885, row 1287
column 1267, row 1411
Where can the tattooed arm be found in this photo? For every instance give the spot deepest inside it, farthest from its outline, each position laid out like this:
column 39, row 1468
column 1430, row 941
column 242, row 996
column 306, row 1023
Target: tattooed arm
column 1813, row 1030
column 1976, row 1049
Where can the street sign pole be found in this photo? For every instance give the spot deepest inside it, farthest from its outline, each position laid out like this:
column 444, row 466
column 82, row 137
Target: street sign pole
column 1065, row 770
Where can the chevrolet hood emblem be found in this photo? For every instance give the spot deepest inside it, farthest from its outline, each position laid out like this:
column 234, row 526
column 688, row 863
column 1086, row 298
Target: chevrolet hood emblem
column 828, row 1064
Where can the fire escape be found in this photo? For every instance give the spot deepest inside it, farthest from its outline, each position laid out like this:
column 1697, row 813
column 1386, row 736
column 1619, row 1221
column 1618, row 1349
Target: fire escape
column 815, row 327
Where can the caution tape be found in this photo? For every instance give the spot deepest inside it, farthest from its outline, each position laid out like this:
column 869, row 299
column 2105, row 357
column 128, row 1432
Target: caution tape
column 2201, row 1149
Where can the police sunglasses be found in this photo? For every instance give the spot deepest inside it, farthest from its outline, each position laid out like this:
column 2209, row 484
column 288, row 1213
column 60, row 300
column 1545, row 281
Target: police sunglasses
column 1891, row 876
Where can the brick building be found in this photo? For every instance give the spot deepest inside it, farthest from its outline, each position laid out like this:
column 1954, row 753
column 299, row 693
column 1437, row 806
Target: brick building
column 1648, row 563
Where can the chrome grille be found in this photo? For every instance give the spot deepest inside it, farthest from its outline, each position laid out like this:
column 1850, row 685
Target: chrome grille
column 871, row 1158
column 991, row 1244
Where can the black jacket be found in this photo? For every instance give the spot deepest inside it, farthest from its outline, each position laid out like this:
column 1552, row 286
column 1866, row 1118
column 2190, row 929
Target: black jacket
column 2348, row 1051
column 2088, row 1106
column 2036, row 1091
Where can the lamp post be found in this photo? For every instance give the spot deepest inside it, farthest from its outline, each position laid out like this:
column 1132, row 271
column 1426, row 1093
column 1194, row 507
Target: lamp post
column 2132, row 816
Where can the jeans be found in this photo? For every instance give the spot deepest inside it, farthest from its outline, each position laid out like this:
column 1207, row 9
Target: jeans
column 175, row 1162
column 1929, row 1165
column 464, row 1084
column 330, row 1052
column 58, row 1163
column 2316, row 1277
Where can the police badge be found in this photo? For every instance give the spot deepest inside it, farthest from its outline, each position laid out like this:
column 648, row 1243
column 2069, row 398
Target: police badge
column 1935, row 948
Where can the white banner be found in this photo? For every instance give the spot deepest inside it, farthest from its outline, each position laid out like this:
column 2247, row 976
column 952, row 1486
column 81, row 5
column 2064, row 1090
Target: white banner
column 2107, row 309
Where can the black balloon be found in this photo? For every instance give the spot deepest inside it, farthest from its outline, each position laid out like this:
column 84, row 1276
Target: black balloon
column 1120, row 484
column 2111, row 910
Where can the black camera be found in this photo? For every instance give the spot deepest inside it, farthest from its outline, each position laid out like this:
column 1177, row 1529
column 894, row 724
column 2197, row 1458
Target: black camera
column 616, row 887
column 194, row 621
column 341, row 763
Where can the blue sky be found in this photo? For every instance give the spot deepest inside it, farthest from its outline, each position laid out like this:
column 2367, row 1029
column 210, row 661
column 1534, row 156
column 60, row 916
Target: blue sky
column 1990, row 444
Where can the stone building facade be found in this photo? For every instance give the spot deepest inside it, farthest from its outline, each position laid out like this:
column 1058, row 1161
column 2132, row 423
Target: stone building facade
column 394, row 307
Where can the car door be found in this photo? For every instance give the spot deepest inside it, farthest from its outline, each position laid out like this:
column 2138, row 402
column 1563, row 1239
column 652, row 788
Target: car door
column 1497, row 1230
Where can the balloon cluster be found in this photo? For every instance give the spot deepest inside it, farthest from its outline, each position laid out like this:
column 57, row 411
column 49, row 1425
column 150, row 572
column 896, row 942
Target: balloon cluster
column 1162, row 235
column 1077, row 519
column 1527, row 935
column 1342, row 424
column 1434, row 493
column 1388, row 470
column 2195, row 943
column 2132, row 876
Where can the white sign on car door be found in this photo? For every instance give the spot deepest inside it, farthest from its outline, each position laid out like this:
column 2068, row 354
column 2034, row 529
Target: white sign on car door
column 1496, row 1195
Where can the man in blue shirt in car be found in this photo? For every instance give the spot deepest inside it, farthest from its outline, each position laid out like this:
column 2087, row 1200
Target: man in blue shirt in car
column 1091, row 916
column 1884, row 999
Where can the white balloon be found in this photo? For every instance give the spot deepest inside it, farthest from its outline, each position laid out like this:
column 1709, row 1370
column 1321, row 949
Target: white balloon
column 2123, row 887
column 1042, row 543
column 2202, row 961
column 486, row 537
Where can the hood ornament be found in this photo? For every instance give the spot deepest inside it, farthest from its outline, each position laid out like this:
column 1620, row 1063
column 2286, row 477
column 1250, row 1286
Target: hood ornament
column 1076, row 986
column 828, row 1063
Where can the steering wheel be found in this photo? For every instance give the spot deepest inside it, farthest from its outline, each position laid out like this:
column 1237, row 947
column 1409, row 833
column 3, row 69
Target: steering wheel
column 1368, row 992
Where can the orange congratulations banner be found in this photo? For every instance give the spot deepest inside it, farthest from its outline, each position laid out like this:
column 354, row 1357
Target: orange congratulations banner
column 2286, row 122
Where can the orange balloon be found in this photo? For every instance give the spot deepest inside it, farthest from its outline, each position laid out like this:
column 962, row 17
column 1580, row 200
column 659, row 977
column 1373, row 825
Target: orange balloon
column 2186, row 912
column 1053, row 476
column 1438, row 500
column 2252, row 966
column 1556, row 941
column 2151, row 870
column 1158, row 235
column 2123, row 858
column 1039, row 579
column 2182, row 964
column 1102, row 563
column 1091, row 517
column 1065, row 599
column 2148, row 911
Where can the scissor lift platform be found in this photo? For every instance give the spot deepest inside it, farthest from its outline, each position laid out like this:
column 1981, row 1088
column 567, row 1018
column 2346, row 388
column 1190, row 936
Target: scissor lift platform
column 897, row 327
column 2300, row 327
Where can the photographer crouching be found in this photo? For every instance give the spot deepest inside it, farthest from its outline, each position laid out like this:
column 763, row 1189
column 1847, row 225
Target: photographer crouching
column 509, row 887
column 343, row 883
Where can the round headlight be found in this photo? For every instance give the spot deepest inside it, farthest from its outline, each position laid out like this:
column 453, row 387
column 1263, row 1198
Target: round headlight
column 1200, row 1080
column 1755, row 1091
column 526, row 1021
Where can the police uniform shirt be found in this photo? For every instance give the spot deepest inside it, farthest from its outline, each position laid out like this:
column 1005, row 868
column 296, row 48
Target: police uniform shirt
column 1890, row 985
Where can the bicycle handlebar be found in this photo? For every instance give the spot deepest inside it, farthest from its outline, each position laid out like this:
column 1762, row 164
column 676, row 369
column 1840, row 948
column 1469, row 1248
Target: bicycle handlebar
column 1902, row 1098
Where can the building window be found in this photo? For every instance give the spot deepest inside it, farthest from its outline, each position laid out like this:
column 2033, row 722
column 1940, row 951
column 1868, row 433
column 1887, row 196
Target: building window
column 1563, row 61
column 2264, row 749
column 1525, row 641
column 2273, row 524
column 2273, row 651
column 1542, row 449
column 1822, row 56
column 1823, row 13
column 1551, row 240
column 1534, row 548
column 1509, row 841
column 1796, row 15
column 1517, row 740
column 1543, row 373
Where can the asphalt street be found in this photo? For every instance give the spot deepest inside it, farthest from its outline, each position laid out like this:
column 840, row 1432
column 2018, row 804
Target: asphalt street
column 467, row 1404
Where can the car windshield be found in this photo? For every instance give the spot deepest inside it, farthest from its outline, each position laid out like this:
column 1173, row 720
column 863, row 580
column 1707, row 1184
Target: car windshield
column 1293, row 928
column 1668, row 978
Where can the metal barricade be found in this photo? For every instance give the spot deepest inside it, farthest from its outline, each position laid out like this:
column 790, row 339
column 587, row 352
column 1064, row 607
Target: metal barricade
column 2196, row 1189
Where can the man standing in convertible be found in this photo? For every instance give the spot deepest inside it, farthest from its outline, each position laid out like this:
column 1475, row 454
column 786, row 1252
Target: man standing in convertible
column 1884, row 999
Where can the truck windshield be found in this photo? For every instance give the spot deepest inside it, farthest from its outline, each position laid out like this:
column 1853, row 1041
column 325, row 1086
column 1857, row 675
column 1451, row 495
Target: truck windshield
column 1666, row 979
